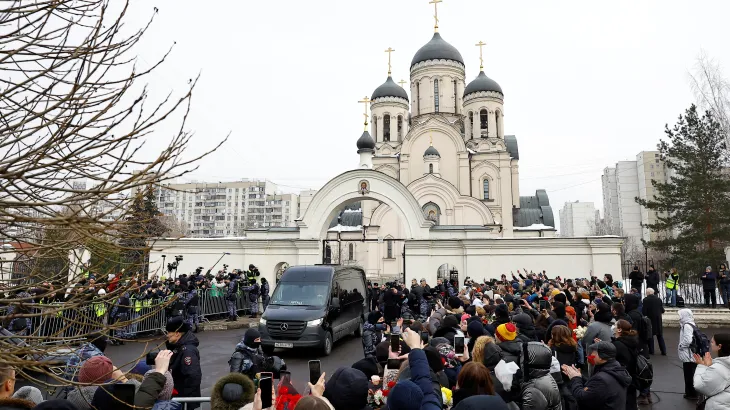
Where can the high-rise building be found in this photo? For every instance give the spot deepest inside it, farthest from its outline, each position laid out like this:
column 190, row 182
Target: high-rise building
column 578, row 219
column 610, row 200
column 227, row 208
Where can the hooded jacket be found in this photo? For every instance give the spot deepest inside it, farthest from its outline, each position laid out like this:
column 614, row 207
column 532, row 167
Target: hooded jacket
column 605, row 390
column 714, row 383
column 219, row 400
column 539, row 391
column 526, row 327
column 185, row 366
column 632, row 303
column 686, row 323
column 347, row 389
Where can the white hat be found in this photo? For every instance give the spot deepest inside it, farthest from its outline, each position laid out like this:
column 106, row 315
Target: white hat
column 101, row 292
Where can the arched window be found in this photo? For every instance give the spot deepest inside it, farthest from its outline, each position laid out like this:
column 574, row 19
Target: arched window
column 498, row 122
column 483, row 122
column 386, row 127
column 436, row 95
column 375, row 128
column 418, row 98
column 400, row 127
column 486, row 188
column 389, row 253
column 430, row 168
column 471, row 125
column 351, row 252
column 456, row 99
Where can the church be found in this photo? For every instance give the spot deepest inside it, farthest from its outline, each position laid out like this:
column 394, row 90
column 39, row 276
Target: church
column 434, row 194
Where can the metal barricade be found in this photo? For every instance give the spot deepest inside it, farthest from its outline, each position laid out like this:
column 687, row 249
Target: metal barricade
column 186, row 400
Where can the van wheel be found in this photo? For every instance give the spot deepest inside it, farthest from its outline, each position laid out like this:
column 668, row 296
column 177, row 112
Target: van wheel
column 327, row 345
column 358, row 329
column 268, row 349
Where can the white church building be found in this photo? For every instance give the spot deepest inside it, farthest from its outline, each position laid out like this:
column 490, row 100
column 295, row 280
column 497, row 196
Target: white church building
column 435, row 192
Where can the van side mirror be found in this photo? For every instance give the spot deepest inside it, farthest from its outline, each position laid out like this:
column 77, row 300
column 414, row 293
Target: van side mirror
column 335, row 304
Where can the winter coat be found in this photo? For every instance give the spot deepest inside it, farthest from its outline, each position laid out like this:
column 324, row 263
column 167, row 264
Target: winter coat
column 599, row 330
column 653, row 309
column 686, row 321
column 637, row 279
column 15, row 404
column 724, row 277
column 185, row 366
column 434, row 322
column 652, row 279
column 148, row 392
column 709, row 280
column 714, row 383
column 606, row 389
column 511, row 351
column 421, row 376
column 526, row 327
column 566, row 354
column 371, row 336
column 627, row 352
column 540, row 391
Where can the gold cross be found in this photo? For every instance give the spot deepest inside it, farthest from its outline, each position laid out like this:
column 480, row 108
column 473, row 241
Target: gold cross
column 389, row 51
column 401, row 82
column 436, row 15
column 365, row 101
column 481, row 44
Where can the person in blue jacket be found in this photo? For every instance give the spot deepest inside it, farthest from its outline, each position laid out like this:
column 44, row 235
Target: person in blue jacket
column 709, row 285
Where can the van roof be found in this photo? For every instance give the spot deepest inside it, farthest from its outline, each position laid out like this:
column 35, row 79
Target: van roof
column 309, row 274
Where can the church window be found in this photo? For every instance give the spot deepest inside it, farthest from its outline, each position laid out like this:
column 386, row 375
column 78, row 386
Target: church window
column 484, row 121
column 430, row 168
column 375, row 128
column 389, row 253
column 386, row 127
column 436, row 95
column 498, row 122
column 400, row 127
column 471, row 125
column 456, row 99
column 418, row 98
column 351, row 252
column 486, row 189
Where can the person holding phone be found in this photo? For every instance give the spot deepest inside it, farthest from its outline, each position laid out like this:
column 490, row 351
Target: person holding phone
column 373, row 333
column 157, row 384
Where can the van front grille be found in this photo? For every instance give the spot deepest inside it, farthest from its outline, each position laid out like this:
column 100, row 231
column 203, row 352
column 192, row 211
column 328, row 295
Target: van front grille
column 285, row 328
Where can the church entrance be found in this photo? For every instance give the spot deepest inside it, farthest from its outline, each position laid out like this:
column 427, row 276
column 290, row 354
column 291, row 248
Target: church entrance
column 341, row 251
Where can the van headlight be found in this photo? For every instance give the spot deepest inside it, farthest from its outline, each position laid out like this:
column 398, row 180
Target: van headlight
column 314, row 323
column 262, row 321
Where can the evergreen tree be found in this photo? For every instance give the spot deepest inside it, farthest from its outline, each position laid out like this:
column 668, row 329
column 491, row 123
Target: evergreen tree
column 142, row 223
column 693, row 207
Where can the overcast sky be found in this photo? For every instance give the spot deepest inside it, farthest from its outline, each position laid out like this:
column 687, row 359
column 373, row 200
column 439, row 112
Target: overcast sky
column 586, row 83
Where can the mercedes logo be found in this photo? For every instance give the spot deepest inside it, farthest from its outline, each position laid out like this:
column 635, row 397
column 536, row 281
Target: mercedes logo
column 284, row 327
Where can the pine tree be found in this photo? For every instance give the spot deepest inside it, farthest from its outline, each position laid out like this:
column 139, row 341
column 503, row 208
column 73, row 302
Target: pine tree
column 693, row 207
column 143, row 222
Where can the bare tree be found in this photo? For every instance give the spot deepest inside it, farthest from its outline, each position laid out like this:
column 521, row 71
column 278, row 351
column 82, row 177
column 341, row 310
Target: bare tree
column 712, row 90
column 175, row 228
column 73, row 108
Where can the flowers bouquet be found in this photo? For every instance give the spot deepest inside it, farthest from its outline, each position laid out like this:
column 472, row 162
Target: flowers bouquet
column 378, row 398
column 447, row 397
column 580, row 331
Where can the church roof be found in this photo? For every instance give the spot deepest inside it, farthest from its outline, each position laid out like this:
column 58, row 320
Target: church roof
column 437, row 49
column 534, row 210
column 365, row 142
column 350, row 216
column 482, row 83
column 389, row 89
column 511, row 142
column 431, row 151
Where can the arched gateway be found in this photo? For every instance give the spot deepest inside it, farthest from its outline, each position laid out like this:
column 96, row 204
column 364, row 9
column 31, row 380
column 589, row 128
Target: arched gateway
column 358, row 185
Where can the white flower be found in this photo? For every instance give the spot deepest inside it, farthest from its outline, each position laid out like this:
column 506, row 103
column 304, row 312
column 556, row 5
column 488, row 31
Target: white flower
column 580, row 331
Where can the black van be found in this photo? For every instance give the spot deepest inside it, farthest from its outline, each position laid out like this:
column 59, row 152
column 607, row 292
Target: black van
column 314, row 306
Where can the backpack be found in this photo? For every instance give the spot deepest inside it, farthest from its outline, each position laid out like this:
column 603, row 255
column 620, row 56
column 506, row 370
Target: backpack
column 648, row 329
column 700, row 342
column 644, row 375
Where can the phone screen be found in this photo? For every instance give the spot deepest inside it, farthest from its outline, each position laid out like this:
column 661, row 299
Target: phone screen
column 393, row 364
column 266, row 374
column 543, row 304
column 424, row 337
column 395, row 343
column 459, row 345
column 315, row 371
column 124, row 394
column 266, row 385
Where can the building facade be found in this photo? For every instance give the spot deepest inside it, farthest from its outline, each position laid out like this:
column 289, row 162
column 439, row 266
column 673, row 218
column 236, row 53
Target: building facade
column 578, row 219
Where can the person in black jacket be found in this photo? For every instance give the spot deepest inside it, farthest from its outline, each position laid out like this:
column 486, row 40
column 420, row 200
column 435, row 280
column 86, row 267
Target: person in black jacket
column 185, row 362
column 606, row 388
column 627, row 345
column 724, row 276
column 652, row 308
column 637, row 321
column 709, row 284
column 652, row 279
column 637, row 279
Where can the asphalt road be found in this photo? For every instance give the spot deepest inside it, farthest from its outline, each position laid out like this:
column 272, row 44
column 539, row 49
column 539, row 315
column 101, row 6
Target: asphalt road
column 217, row 347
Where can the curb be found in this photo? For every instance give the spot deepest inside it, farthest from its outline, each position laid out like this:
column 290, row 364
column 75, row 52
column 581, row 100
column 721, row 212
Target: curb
column 224, row 325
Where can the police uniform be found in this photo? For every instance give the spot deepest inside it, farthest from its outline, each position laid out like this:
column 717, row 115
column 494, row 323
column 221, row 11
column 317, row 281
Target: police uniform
column 191, row 308
column 253, row 297
column 121, row 314
column 248, row 358
column 265, row 292
column 185, row 361
column 231, row 295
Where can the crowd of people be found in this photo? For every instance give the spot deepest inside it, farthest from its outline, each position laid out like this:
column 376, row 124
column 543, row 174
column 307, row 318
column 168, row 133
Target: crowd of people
column 527, row 342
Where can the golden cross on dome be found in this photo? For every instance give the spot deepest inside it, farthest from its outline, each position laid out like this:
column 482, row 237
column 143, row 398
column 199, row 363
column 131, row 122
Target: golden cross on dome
column 389, row 51
column 432, row 140
column 481, row 44
column 401, row 82
column 436, row 13
column 365, row 101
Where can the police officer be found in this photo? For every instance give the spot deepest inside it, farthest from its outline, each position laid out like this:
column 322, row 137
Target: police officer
column 253, row 297
column 185, row 362
column 192, row 309
column 120, row 313
column 231, row 295
column 248, row 358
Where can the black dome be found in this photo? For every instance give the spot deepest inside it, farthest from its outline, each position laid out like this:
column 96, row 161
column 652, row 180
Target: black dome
column 431, row 151
column 437, row 49
column 482, row 83
column 389, row 89
column 365, row 142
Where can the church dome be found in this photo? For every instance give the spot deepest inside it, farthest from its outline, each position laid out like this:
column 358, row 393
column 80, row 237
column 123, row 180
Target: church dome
column 389, row 89
column 437, row 49
column 482, row 83
column 365, row 142
column 431, row 151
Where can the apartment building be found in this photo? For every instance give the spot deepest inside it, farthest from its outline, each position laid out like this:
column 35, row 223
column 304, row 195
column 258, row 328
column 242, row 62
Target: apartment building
column 649, row 168
column 227, row 208
column 577, row 219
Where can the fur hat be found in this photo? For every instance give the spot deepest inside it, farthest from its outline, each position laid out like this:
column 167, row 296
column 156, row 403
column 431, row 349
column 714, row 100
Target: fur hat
column 231, row 392
column 176, row 324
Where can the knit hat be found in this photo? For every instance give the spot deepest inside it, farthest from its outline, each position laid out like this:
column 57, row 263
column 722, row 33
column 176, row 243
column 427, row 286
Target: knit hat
column 97, row 369
column 373, row 317
column 166, row 392
column 465, row 317
column 555, row 292
column 29, row 393
column 347, row 388
column 231, row 392
column 606, row 350
column 475, row 329
column 368, row 365
column 506, row 332
column 176, row 324
column 434, row 359
column 406, row 395
column 251, row 335
column 450, row 321
column 435, row 341
column 141, row 368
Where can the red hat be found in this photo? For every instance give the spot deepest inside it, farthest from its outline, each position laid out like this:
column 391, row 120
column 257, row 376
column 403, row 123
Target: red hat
column 97, row 369
column 506, row 332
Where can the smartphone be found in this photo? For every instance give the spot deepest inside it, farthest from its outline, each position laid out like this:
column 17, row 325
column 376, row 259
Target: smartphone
column 266, row 374
column 393, row 364
column 266, row 384
column 424, row 337
column 315, row 370
column 459, row 345
column 124, row 394
column 543, row 304
column 395, row 343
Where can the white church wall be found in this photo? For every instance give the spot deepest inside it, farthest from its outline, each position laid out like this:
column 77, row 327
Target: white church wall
column 448, row 166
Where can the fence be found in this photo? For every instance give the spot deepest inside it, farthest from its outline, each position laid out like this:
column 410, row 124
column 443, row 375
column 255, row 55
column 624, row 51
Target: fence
column 59, row 325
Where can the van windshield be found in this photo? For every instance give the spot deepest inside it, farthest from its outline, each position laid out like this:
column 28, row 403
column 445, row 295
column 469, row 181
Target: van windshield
column 300, row 294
